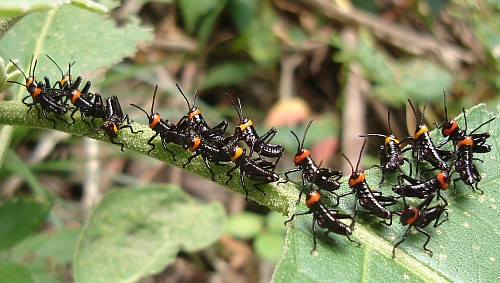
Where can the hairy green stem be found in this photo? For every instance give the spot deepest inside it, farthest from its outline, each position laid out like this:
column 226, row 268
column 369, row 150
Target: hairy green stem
column 280, row 197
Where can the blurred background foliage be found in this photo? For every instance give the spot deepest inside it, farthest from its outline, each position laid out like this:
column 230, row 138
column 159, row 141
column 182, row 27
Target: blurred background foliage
column 341, row 62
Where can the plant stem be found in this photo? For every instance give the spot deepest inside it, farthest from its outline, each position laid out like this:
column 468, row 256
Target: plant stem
column 280, row 197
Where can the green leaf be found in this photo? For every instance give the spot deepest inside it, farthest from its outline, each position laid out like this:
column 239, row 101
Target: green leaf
column 56, row 247
column 9, row 72
column 262, row 41
column 13, row 8
column 39, row 252
column 255, row 21
column 269, row 246
column 228, row 74
column 68, row 34
column 465, row 247
column 19, row 217
column 207, row 24
column 274, row 222
column 5, row 136
column 245, row 225
column 242, row 13
column 11, row 272
column 421, row 79
column 193, row 11
column 390, row 93
column 3, row 76
column 480, row 19
column 137, row 232
column 394, row 81
column 101, row 6
column 19, row 167
column 377, row 64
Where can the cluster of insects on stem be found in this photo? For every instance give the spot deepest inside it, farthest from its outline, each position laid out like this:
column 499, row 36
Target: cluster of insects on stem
column 216, row 146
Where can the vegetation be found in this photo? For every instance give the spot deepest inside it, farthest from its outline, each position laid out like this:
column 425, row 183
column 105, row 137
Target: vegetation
column 73, row 209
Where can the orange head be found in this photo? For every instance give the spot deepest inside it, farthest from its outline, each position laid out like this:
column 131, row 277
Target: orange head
column 421, row 129
column 194, row 143
column 448, row 127
column 110, row 128
column 302, row 152
column 74, row 95
column 391, row 138
column 444, row 179
column 465, row 141
column 409, row 215
column 356, row 178
column 312, row 198
column 154, row 119
column 245, row 123
column 301, row 155
column 236, row 152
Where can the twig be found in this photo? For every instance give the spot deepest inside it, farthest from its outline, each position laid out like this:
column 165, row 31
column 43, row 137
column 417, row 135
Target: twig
column 410, row 41
column 354, row 111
